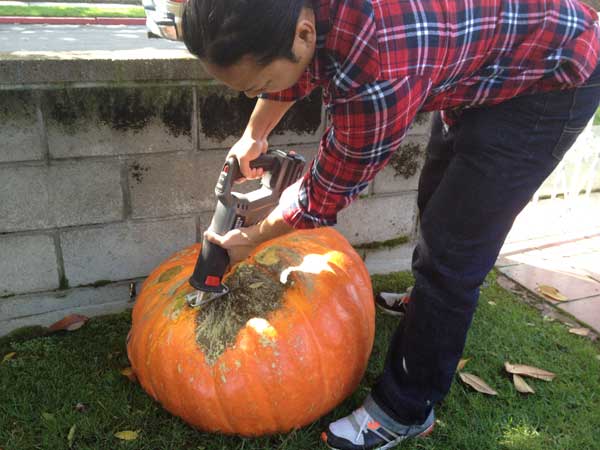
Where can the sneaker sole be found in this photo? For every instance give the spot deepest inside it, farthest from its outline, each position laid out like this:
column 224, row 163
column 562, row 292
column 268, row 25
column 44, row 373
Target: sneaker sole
column 389, row 312
column 389, row 445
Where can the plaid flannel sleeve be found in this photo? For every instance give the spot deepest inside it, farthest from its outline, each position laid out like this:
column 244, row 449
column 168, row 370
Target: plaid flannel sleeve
column 367, row 126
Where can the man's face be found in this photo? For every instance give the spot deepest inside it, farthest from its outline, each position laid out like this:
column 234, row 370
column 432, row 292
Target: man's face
column 253, row 79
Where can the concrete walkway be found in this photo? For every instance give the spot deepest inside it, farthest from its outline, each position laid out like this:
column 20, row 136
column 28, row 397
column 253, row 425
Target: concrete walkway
column 557, row 243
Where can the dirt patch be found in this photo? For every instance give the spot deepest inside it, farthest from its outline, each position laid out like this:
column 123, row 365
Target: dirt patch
column 406, row 160
column 253, row 293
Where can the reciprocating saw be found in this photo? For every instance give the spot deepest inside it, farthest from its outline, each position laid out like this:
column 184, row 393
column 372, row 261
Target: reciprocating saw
column 236, row 210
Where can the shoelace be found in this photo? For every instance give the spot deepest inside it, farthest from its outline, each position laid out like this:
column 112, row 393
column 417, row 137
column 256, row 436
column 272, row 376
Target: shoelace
column 364, row 428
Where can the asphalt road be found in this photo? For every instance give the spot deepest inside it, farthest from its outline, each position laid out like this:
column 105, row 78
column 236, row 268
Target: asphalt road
column 34, row 39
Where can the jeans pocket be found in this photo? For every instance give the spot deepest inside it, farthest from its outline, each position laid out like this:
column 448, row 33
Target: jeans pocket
column 565, row 141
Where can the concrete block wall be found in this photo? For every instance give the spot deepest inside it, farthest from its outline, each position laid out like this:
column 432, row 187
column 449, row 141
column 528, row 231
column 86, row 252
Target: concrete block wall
column 99, row 184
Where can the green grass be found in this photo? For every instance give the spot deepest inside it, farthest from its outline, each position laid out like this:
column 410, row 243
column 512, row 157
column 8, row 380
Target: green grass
column 70, row 11
column 51, row 374
column 597, row 117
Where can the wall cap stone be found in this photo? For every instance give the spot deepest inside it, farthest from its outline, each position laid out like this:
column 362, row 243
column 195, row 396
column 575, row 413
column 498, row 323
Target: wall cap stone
column 24, row 70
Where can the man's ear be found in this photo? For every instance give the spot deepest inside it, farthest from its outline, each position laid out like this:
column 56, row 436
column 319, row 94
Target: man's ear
column 306, row 31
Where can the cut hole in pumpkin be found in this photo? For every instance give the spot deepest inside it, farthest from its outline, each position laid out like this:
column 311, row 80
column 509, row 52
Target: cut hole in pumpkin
column 253, row 294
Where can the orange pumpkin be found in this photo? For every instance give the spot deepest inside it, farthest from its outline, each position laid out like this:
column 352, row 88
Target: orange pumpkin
column 288, row 344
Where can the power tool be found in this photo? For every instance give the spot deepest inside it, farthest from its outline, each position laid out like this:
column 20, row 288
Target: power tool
column 236, row 210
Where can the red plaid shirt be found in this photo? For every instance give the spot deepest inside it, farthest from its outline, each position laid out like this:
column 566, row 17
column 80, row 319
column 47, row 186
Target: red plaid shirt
column 382, row 61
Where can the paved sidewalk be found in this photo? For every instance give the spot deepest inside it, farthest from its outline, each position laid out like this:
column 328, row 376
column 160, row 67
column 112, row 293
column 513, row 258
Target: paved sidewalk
column 557, row 243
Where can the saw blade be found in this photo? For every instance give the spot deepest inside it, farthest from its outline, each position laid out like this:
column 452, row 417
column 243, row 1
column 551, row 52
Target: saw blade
column 200, row 298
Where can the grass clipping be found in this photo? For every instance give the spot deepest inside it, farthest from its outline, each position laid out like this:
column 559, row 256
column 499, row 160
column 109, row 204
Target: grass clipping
column 253, row 293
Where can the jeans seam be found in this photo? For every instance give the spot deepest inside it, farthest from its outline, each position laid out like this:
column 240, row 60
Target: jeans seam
column 565, row 129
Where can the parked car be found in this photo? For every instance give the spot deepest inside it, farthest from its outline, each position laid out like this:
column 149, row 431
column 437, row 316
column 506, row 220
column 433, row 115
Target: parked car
column 163, row 18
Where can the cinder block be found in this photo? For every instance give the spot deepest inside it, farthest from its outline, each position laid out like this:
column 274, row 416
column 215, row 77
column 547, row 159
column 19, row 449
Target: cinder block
column 122, row 251
column 386, row 260
column 403, row 170
column 24, row 199
column 118, row 121
column 46, row 308
column 224, row 114
column 19, row 127
column 85, row 193
column 172, row 184
column 27, row 264
column 379, row 218
column 60, row 195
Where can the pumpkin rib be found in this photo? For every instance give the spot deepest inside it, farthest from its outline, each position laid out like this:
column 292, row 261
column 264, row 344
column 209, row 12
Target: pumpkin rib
column 219, row 401
column 312, row 335
column 252, row 384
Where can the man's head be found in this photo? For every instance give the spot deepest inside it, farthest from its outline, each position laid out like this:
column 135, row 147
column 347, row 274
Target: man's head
column 253, row 46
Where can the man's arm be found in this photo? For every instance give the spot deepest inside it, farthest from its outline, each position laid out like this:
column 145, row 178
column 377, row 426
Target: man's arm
column 367, row 127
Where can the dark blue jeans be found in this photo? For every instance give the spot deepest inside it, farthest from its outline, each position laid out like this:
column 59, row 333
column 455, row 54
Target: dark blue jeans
column 478, row 176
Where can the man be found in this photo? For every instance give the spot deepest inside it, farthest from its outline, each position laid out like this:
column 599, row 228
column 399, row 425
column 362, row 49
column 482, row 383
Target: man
column 516, row 81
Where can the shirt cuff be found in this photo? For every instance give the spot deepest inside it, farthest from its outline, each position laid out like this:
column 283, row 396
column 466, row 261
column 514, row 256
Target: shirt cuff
column 293, row 203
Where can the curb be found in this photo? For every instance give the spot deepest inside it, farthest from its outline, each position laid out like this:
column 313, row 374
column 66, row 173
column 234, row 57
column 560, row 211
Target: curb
column 72, row 20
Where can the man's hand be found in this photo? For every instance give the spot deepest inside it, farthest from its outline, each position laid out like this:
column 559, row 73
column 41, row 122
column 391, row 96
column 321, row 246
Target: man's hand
column 248, row 149
column 240, row 242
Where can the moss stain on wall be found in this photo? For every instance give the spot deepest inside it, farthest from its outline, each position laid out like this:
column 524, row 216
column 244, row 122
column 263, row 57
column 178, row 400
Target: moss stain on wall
column 122, row 109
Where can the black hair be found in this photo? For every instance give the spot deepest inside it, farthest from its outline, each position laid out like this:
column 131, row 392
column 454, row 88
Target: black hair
column 223, row 31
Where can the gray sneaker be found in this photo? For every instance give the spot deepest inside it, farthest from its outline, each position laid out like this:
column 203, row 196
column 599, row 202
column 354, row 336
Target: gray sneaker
column 361, row 431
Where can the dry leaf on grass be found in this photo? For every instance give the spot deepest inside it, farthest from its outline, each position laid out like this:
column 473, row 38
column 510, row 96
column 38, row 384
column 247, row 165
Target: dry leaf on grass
column 529, row 371
column 127, row 435
column 128, row 372
column 462, row 363
column 256, row 285
column 70, row 323
column 521, row 385
column 580, row 331
column 492, row 303
column 71, row 436
column 48, row 417
column 80, row 407
column 8, row 356
column 476, row 383
column 551, row 292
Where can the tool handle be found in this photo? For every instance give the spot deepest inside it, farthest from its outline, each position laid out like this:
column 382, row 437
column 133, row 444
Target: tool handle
column 264, row 161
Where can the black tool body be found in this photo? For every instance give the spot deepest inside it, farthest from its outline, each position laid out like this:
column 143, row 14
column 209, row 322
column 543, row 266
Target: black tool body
column 235, row 210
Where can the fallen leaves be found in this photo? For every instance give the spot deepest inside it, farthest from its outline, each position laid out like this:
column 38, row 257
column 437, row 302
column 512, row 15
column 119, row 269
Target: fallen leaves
column 518, row 371
column 128, row 372
column 580, row 331
column 48, row 417
column 529, row 371
column 476, row 383
column 71, row 436
column 127, row 435
column 8, row 357
column 521, row 385
column 551, row 292
column 70, row 323
column 80, row 407
column 461, row 364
